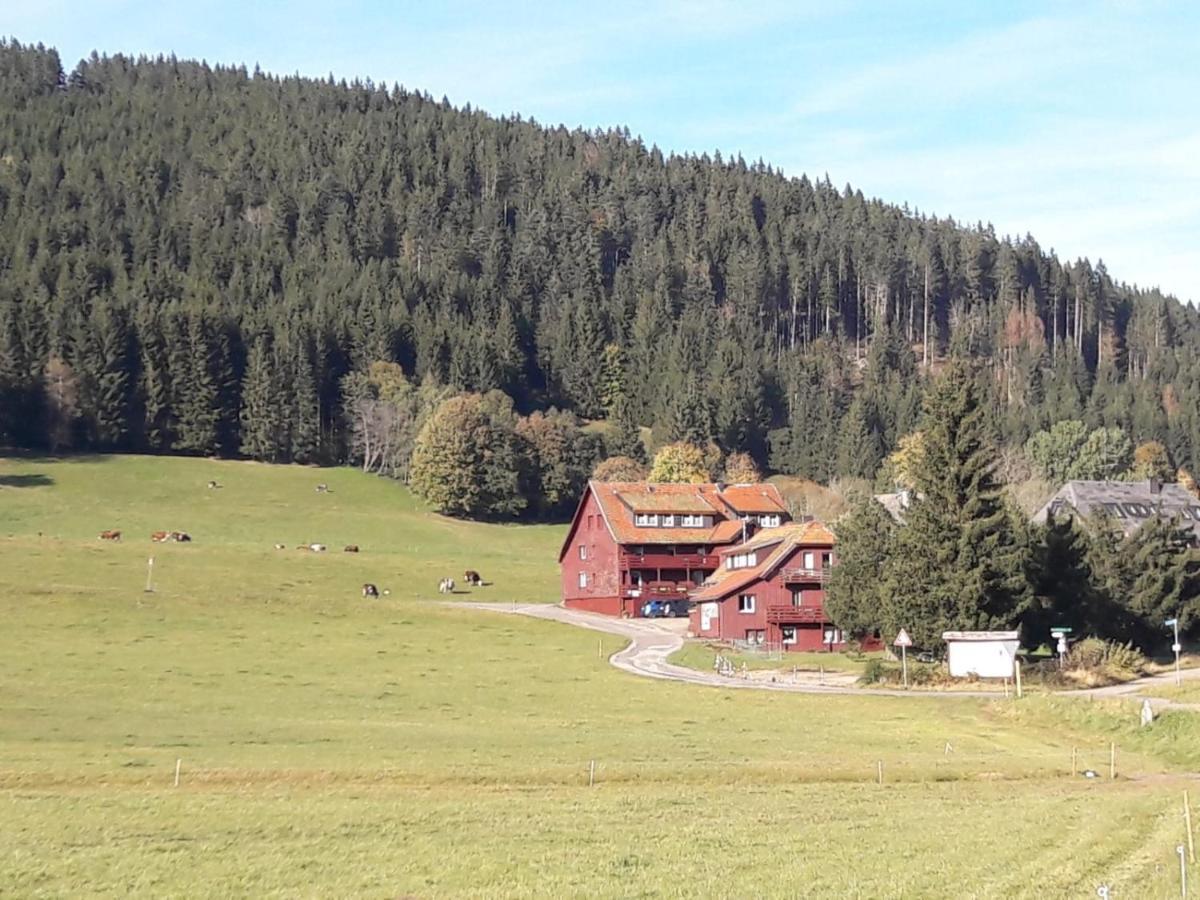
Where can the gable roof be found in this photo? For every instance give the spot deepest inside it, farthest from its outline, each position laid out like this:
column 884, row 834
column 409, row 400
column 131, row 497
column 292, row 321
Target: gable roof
column 750, row 499
column 619, row 501
column 782, row 544
column 1128, row 504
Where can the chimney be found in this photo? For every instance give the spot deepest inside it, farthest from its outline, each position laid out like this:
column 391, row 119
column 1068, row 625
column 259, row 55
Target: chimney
column 1155, row 486
column 720, row 487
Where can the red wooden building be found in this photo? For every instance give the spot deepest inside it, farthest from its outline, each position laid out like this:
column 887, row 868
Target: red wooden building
column 631, row 542
column 771, row 590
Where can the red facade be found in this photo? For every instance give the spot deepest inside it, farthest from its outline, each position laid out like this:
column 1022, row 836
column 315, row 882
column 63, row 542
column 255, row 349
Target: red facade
column 771, row 591
column 631, row 543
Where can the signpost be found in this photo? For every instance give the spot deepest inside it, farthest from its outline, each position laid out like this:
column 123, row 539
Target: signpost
column 903, row 641
column 1059, row 633
column 1174, row 623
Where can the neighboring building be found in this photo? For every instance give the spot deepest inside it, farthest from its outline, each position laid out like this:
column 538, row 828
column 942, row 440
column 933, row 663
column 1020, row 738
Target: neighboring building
column 984, row 654
column 631, row 542
column 1128, row 504
column 771, row 590
column 896, row 504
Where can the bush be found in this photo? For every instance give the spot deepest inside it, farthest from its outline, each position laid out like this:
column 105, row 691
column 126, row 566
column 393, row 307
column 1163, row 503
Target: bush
column 874, row 672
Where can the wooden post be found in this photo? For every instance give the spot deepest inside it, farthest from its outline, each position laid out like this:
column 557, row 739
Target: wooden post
column 592, row 774
column 1017, row 669
column 1112, row 760
column 879, row 770
column 150, row 575
column 600, row 648
column 1187, row 821
column 1074, row 761
column 178, row 763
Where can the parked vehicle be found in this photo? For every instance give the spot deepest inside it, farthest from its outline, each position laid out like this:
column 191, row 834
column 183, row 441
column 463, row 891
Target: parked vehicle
column 658, row 609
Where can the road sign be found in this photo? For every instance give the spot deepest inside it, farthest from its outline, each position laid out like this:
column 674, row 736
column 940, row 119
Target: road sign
column 1175, row 648
column 902, row 639
column 1060, row 629
column 1170, row 622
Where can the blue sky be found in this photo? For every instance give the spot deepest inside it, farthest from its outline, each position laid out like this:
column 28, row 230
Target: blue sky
column 1076, row 122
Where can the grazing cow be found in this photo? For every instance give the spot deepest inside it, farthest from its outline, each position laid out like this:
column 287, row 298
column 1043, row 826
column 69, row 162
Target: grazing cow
column 304, row 547
column 322, row 489
column 160, row 537
column 351, row 548
column 473, row 578
column 280, row 547
column 110, row 535
column 212, row 485
column 446, row 586
column 181, row 537
column 369, row 590
column 317, row 548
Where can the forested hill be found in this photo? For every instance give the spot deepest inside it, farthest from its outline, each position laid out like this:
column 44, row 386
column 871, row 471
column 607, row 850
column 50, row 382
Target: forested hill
column 171, row 233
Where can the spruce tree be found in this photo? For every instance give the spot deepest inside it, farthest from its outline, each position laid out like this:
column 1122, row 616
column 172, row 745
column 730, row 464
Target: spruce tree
column 857, row 600
column 958, row 562
column 260, row 415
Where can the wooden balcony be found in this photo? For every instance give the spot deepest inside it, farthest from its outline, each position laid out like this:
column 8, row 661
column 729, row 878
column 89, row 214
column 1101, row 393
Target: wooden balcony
column 668, row 561
column 788, row 614
column 658, row 590
column 798, row 575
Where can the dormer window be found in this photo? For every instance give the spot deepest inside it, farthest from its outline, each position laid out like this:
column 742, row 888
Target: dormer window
column 769, row 521
column 668, row 521
column 741, row 560
column 646, row 520
column 695, row 521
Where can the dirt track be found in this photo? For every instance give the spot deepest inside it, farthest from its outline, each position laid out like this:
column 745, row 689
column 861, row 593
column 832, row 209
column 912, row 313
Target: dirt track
column 652, row 641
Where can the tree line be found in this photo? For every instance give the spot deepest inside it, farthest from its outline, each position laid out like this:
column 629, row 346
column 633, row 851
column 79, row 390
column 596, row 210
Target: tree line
column 209, row 260
column 965, row 559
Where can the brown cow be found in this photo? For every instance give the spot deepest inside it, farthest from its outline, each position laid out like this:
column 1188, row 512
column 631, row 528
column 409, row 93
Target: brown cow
column 160, row 537
column 351, row 548
column 110, row 535
column 473, row 578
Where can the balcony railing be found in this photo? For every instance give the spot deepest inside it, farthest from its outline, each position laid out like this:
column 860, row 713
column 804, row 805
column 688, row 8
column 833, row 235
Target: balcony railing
column 669, row 560
column 787, row 613
column 658, row 590
column 797, row 574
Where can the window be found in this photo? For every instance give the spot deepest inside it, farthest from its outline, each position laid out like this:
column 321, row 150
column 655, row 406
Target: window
column 809, row 560
column 690, row 521
column 826, row 560
column 769, row 521
column 755, row 636
column 590, row 518
column 788, row 634
column 746, row 603
column 741, row 560
column 646, row 519
column 832, row 636
column 668, row 521
column 583, row 579
column 582, row 551
column 797, row 597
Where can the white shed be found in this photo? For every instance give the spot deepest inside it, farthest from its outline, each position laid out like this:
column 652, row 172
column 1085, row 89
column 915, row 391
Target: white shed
column 985, row 654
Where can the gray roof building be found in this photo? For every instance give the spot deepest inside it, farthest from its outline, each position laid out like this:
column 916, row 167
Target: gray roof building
column 1128, row 504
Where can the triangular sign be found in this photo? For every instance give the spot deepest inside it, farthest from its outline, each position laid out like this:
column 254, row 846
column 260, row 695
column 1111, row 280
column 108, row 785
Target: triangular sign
column 902, row 639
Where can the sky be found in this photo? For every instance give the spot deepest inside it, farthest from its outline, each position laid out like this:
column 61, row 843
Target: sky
column 1076, row 122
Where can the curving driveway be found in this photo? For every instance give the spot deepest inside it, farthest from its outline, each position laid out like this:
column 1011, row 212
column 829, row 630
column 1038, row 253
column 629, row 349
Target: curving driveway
column 652, row 641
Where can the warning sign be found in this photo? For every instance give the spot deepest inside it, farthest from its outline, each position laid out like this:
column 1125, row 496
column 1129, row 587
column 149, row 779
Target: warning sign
column 902, row 639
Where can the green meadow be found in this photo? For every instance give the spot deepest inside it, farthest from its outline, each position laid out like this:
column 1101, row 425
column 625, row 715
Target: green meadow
column 333, row 746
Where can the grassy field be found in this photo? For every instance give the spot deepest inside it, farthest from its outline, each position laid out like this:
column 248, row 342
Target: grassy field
column 332, row 746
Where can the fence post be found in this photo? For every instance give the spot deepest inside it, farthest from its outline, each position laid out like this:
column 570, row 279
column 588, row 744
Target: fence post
column 1187, row 821
column 1112, row 761
column 879, row 768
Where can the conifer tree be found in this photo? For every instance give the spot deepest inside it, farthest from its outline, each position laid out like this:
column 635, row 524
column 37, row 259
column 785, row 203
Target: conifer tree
column 958, row 562
column 262, row 426
column 857, row 599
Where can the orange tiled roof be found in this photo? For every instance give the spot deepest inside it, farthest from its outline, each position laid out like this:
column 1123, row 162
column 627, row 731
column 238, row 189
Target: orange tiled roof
column 783, row 541
column 619, row 500
column 662, row 501
column 753, row 498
